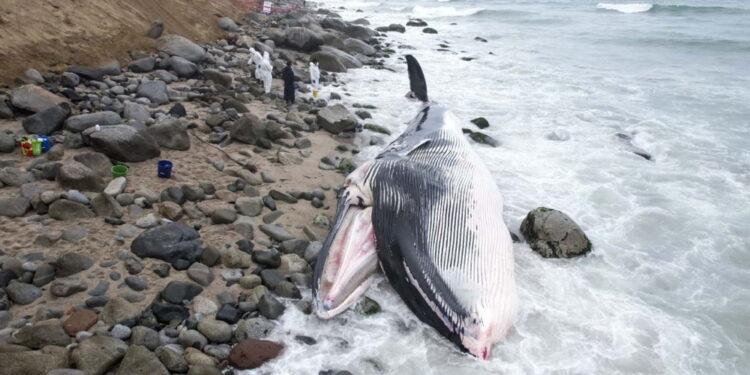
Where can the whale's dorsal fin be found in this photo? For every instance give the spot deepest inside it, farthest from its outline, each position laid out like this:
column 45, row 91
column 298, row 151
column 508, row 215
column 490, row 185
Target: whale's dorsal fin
column 416, row 79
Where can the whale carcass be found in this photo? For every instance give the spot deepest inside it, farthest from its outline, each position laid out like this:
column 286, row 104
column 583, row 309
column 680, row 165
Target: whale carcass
column 429, row 213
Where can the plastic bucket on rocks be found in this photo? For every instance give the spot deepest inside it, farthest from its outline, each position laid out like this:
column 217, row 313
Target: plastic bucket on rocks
column 164, row 169
column 119, row 171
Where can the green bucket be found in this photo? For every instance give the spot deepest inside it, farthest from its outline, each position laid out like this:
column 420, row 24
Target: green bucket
column 119, row 171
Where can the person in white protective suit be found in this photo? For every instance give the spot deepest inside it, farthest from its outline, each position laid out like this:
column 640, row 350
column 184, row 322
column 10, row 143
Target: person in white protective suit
column 266, row 70
column 256, row 59
column 314, row 77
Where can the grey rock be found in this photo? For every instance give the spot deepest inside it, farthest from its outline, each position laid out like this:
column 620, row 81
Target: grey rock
column 34, row 75
column 178, row 291
column 98, row 354
column 144, row 336
column 227, row 24
column 74, row 234
column 173, row 243
column 218, row 77
column 253, row 328
column 22, row 293
column 336, row 119
column 200, row 273
column 125, row 143
column 65, row 287
column 7, row 141
column 140, row 361
column 248, row 129
column 47, row 121
column 192, row 339
column 12, row 176
column 34, row 362
column 120, row 331
column 156, row 91
column 118, row 310
column 43, row 275
column 276, row 232
column 215, row 330
column 69, row 79
column 270, row 307
column 155, row 30
column 172, row 358
column 34, row 98
column 352, row 45
column 106, row 205
column 79, row 123
column 302, row 39
column 136, row 283
column 554, row 234
column 171, row 134
column 74, row 175
column 14, row 207
column 224, row 216
column 110, row 69
column 176, row 45
column 135, row 111
column 183, row 67
column 63, row 209
column 143, row 65
column 71, row 263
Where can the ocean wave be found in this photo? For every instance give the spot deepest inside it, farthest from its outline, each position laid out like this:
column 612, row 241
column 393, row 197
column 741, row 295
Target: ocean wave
column 438, row 12
column 362, row 4
column 677, row 9
column 626, row 8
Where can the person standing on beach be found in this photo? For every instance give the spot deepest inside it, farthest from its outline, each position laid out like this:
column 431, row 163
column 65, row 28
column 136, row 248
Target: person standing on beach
column 314, row 77
column 256, row 59
column 288, row 75
column 266, row 72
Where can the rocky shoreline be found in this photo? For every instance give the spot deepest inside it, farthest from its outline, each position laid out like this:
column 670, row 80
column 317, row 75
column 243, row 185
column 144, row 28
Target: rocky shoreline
column 140, row 274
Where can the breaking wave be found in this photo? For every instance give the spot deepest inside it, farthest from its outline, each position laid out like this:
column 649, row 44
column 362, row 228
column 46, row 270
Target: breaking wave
column 677, row 9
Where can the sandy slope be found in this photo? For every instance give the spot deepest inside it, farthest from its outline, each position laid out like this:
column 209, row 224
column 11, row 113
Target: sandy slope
column 48, row 34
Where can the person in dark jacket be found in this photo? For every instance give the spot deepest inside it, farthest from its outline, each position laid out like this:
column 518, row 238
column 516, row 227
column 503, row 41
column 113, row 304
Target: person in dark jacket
column 288, row 75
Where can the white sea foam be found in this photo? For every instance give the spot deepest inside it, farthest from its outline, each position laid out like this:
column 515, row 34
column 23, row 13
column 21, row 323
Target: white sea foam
column 442, row 11
column 626, row 7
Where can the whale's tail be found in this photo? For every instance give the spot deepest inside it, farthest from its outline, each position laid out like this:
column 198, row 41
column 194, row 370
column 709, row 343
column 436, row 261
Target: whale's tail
column 416, row 79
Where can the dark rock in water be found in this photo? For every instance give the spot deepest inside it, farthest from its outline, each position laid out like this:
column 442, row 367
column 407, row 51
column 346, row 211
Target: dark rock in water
column 74, row 175
column 155, row 91
column 251, row 353
column 71, row 263
column 363, row 114
column 270, row 307
column 302, row 39
column 416, row 22
column 22, row 293
column 14, row 207
column 178, row 291
column 480, row 39
column 143, row 65
column 429, row 30
column 228, row 313
column 628, row 141
column 482, row 138
column 218, row 77
column 368, row 306
column 336, row 119
column 554, row 234
column 155, row 30
column 481, row 122
column 271, row 259
column 249, row 129
column 110, row 69
column 396, row 28
column 171, row 134
column 173, row 242
column 124, row 143
column 178, row 110
column 183, row 67
column 287, row 289
column 176, row 45
column 167, row 312
column 47, row 121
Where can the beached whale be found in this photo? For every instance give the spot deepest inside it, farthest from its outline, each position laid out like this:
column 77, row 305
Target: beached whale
column 428, row 211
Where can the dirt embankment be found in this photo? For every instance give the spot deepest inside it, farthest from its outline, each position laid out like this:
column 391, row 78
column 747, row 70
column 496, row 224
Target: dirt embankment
column 52, row 34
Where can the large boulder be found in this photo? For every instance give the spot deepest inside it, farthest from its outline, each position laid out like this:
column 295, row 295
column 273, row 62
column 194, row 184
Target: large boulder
column 176, row 45
column 175, row 243
column 124, row 143
column 359, row 32
column 79, row 123
column 96, row 355
column 34, row 362
column 34, row 98
column 276, row 35
column 97, row 162
column 182, row 66
column 110, row 69
column 251, row 353
column 136, row 111
column 554, row 234
column 47, row 121
column 303, row 39
column 352, row 45
column 74, row 175
column 333, row 23
column 63, row 209
column 14, row 206
column 170, row 133
column 218, row 77
column 336, row 119
column 143, row 65
column 335, row 60
column 228, row 24
column 155, row 91
column 249, row 129
column 141, row 361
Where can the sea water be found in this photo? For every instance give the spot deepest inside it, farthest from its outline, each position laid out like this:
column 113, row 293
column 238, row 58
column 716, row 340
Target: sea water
column 666, row 289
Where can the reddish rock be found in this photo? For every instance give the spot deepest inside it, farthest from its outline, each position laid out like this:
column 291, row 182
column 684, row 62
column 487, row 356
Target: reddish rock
column 250, row 354
column 80, row 321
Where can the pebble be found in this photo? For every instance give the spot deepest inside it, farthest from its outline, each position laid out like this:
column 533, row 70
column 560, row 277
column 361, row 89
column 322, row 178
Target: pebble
column 120, row 331
column 270, row 307
column 228, row 313
column 99, row 289
column 192, row 339
column 161, row 269
column 232, row 274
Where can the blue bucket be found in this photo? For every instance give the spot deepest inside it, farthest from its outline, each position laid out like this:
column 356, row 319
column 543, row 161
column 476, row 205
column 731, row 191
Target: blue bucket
column 46, row 143
column 164, row 169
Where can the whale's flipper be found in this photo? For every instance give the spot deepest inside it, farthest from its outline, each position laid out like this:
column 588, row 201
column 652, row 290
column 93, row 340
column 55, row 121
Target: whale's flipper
column 416, row 79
